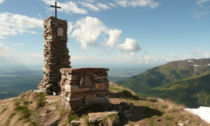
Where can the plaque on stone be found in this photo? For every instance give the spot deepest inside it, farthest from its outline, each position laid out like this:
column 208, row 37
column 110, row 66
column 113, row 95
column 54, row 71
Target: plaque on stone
column 100, row 85
column 60, row 31
column 86, row 81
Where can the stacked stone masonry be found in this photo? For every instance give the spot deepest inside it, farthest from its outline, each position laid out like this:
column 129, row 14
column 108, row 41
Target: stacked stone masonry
column 55, row 54
column 81, row 87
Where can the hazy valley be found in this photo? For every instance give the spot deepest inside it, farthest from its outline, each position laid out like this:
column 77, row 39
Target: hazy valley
column 15, row 80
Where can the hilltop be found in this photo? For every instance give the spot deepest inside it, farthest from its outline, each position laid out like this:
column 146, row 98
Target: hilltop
column 36, row 109
column 185, row 81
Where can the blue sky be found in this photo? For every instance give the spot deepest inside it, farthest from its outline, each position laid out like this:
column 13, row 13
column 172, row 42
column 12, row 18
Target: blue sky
column 101, row 33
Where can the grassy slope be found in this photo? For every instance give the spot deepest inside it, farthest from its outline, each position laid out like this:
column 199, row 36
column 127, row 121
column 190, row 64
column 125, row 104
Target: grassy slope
column 167, row 111
column 175, row 80
column 192, row 92
column 27, row 109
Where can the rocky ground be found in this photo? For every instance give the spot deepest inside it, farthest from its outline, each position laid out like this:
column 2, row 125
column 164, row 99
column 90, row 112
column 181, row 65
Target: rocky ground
column 36, row 109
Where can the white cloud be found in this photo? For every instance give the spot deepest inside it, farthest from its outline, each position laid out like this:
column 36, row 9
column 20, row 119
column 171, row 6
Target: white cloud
column 103, row 6
column 99, row 55
column 155, row 59
column 146, row 62
column 35, row 55
column 110, row 50
column 130, row 45
column 18, row 44
column 197, row 51
column 40, row 15
column 123, row 3
column 87, row 31
column 114, row 37
column 136, row 3
column 207, row 54
column 200, row 14
column 131, row 54
column 147, row 57
column 1, row 1
column 89, row 5
column 111, row 4
column 202, row 1
column 90, row 1
column 4, row 50
column 76, row 57
column 70, row 27
column 168, row 59
column 12, row 24
column 138, row 62
column 66, row 7
column 32, row 32
column 172, row 54
column 187, row 56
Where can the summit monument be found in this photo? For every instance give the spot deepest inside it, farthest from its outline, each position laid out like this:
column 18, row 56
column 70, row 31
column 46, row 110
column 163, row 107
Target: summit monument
column 78, row 87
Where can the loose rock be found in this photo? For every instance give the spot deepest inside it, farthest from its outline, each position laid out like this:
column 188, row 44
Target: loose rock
column 123, row 103
column 158, row 120
column 187, row 121
column 75, row 122
column 96, row 117
column 128, row 115
column 47, row 111
column 180, row 124
column 126, row 112
column 120, row 108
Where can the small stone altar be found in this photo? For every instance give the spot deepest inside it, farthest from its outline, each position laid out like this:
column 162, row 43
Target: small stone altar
column 81, row 87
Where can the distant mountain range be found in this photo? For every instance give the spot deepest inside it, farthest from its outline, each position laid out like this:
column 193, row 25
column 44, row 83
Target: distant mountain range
column 186, row 82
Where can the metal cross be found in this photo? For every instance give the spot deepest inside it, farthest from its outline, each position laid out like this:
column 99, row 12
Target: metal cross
column 55, row 8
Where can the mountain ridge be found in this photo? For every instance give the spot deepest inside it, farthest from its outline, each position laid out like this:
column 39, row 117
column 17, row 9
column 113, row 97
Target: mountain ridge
column 179, row 74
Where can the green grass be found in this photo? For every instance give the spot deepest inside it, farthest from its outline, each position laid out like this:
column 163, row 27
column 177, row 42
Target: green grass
column 73, row 116
column 2, row 111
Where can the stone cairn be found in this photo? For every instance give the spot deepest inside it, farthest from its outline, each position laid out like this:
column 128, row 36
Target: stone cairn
column 81, row 87
column 55, row 54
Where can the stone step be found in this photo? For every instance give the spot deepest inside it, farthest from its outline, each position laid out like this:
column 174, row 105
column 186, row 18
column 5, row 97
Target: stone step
column 52, row 96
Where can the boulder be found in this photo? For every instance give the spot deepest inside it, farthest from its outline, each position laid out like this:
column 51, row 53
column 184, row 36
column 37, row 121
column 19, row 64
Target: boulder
column 97, row 100
column 96, row 117
column 75, row 122
column 128, row 115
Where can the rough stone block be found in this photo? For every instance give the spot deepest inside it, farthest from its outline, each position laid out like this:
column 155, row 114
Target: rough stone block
column 75, row 88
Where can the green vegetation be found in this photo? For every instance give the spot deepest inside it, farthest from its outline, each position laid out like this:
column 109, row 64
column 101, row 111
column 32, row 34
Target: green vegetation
column 115, row 79
column 175, row 80
column 73, row 116
column 13, row 86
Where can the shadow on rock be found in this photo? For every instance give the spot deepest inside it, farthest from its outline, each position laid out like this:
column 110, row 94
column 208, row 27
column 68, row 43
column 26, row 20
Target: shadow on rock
column 134, row 113
column 125, row 94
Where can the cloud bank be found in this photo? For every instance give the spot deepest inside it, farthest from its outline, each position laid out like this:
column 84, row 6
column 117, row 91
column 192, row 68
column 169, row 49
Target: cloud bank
column 13, row 24
column 66, row 7
column 4, row 50
column 136, row 3
column 1, row 1
column 87, row 30
column 202, row 1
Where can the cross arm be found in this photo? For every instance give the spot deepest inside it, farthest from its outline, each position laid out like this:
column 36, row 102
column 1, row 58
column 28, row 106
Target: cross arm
column 55, row 6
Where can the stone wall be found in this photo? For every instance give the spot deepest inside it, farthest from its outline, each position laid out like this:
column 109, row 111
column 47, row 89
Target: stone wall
column 81, row 87
column 55, row 54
